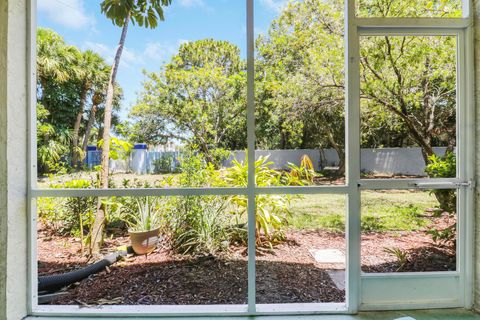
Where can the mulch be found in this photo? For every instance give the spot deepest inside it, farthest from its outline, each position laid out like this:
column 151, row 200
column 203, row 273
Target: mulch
column 286, row 274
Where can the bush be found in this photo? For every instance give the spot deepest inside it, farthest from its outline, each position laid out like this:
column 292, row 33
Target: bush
column 164, row 164
column 198, row 224
column 303, row 174
column 444, row 167
column 72, row 215
column 272, row 211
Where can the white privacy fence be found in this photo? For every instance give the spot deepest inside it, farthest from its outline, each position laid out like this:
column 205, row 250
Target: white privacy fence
column 406, row 161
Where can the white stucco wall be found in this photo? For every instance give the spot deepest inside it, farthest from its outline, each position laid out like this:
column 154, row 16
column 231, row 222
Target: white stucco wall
column 13, row 140
column 476, row 5
column 3, row 161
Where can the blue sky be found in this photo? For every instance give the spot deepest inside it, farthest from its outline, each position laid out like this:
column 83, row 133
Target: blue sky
column 81, row 23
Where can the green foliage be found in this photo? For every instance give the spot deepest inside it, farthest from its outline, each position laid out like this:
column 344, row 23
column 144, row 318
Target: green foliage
column 442, row 167
column 143, row 12
column 299, row 86
column 272, row 211
column 71, row 215
column 408, row 85
column 52, row 144
column 303, row 174
column 411, row 8
column 198, row 224
column 199, row 97
column 67, row 81
column 401, row 255
column 119, row 149
column 446, row 236
column 146, row 214
column 164, row 164
column 371, row 223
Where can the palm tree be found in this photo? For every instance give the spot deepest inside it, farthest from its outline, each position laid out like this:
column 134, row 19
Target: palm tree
column 146, row 13
column 92, row 71
column 54, row 59
column 97, row 99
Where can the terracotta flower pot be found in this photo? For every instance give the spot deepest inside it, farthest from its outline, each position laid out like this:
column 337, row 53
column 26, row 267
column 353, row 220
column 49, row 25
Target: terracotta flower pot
column 144, row 242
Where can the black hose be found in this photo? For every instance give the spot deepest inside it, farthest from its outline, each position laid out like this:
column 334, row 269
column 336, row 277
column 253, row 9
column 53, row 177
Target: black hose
column 58, row 281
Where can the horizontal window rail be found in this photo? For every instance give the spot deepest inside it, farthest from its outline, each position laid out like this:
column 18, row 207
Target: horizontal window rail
column 436, row 183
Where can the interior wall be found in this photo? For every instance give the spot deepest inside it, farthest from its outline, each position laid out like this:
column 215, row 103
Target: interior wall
column 476, row 6
column 3, row 162
column 13, row 175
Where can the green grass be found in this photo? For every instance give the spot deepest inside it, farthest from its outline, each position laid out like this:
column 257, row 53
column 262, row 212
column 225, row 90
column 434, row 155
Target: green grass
column 381, row 211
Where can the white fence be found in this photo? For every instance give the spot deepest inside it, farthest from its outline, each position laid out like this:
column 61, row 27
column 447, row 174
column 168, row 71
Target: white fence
column 406, row 161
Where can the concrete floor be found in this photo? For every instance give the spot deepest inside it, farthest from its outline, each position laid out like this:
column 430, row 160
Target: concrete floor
column 445, row 314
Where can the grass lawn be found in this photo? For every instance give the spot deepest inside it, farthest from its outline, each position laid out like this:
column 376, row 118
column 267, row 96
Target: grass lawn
column 381, row 211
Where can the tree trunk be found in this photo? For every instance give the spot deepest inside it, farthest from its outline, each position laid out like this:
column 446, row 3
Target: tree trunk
column 98, row 225
column 76, row 127
column 339, row 149
column 88, row 129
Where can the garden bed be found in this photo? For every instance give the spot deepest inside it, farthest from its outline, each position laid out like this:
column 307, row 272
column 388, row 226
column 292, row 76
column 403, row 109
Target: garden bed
column 287, row 274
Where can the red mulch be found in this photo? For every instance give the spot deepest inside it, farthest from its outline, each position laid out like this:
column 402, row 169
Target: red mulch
column 287, row 274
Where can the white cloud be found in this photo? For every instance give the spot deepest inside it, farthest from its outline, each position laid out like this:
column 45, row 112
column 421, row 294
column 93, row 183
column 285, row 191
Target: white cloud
column 152, row 53
column 276, row 5
column 68, row 13
column 157, row 51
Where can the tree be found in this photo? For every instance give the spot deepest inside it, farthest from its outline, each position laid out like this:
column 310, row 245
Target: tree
column 146, row 13
column 67, row 79
column 96, row 113
column 408, row 83
column 414, row 79
column 52, row 142
column 56, row 94
column 300, row 79
column 93, row 73
column 198, row 97
column 56, row 74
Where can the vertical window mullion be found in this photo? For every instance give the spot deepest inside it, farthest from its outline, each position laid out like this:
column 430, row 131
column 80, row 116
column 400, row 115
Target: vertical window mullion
column 251, row 155
column 469, row 219
column 352, row 143
column 32, row 290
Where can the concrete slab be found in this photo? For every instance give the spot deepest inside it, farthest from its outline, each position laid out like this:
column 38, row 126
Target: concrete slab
column 328, row 256
column 338, row 278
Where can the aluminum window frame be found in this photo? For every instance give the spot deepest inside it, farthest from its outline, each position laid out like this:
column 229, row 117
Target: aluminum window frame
column 357, row 284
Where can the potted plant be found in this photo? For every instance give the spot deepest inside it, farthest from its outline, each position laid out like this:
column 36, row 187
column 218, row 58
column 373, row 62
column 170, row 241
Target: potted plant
column 144, row 225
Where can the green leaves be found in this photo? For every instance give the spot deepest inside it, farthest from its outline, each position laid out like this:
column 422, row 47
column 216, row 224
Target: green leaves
column 119, row 149
column 145, row 13
column 198, row 97
column 442, row 167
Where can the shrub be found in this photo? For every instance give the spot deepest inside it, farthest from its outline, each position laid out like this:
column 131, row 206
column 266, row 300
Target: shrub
column 146, row 213
column 164, row 164
column 72, row 215
column 272, row 211
column 303, row 174
column 443, row 167
column 401, row 255
column 198, row 224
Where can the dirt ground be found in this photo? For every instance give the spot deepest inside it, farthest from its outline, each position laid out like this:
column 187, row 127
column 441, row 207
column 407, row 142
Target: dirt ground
column 287, row 274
